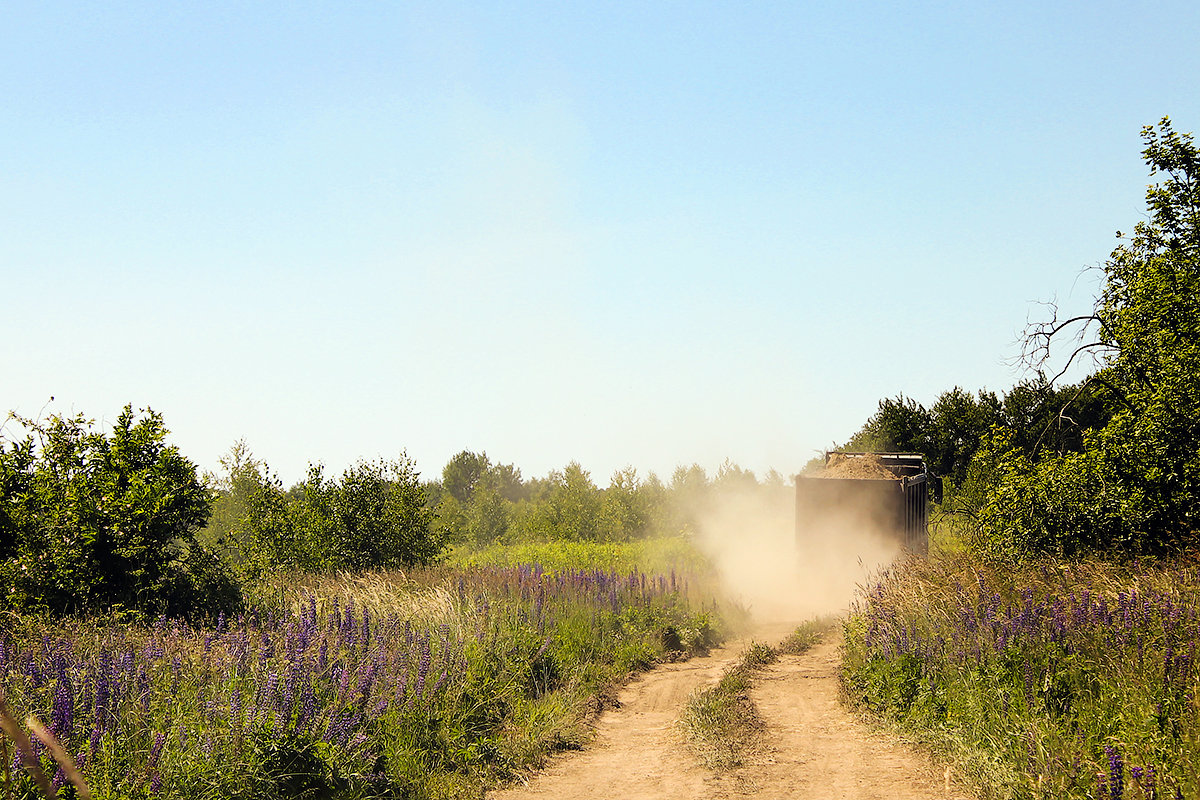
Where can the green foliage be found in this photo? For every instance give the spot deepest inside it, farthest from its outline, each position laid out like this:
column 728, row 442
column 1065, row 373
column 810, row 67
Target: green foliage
column 1135, row 486
column 1111, row 463
column 1039, row 419
column 958, row 422
column 374, row 517
column 806, row 635
column 629, row 505
column 657, row 555
column 379, row 517
column 94, row 521
column 901, row 425
column 571, row 507
column 474, row 503
column 462, row 472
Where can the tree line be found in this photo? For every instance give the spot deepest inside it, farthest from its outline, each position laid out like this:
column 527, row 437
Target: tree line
column 122, row 521
column 1110, row 464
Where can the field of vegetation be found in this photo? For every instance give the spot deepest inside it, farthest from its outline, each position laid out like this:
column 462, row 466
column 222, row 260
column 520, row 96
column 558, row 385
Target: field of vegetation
column 366, row 635
column 376, row 634
column 433, row 683
column 1057, row 679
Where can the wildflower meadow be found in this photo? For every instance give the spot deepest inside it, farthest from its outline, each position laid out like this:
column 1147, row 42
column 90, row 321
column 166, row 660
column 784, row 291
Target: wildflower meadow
column 422, row 685
column 1052, row 680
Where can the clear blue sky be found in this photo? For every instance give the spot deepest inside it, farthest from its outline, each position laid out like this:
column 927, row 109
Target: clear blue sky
column 641, row 234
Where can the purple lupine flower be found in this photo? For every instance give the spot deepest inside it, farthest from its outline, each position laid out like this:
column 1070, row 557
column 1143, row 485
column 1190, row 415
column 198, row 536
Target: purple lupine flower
column 1115, row 772
column 422, row 667
column 156, row 749
column 437, row 685
column 94, row 741
column 267, row 698
column 348, row 626
column 366, row 681
column 402, row 689
column 1149, row 789
column 419, row 689
column 539, row 603
column 62, row 716
column 308, row 705
column 267, row 649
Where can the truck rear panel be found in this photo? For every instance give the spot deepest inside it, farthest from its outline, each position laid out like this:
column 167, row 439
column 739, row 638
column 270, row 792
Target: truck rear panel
column 894, row 508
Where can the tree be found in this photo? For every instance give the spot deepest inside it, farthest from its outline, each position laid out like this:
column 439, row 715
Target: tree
column 1135, row 485
column 566, row 505
column 487, row 515
column 234, row 491
column 627, row 506
column 899, row 425
column 462, row 472
column 381, row 518
column 373, row 517
column 691, row 498
column 94, row 521
column 958, row 421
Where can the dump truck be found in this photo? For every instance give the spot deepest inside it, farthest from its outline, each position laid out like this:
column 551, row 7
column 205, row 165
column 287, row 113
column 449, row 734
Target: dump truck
column 886, row 493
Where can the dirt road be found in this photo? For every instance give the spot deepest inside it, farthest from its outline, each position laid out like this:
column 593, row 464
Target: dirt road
column 813, row 747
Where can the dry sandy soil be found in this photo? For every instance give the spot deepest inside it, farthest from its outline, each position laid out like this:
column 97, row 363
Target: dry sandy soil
column 813, row 748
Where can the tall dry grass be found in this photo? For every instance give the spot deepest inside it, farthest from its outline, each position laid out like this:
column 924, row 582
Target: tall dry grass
column 1054, row 679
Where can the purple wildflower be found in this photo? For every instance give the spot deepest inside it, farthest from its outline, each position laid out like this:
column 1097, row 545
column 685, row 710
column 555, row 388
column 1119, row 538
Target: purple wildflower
column 1115, row 772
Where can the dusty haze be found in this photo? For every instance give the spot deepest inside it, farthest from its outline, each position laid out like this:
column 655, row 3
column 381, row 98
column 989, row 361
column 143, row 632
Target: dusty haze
column 750, row 534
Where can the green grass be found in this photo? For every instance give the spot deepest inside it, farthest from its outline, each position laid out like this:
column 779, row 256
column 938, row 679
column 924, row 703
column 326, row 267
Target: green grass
column 658, row 555
column 806, row 635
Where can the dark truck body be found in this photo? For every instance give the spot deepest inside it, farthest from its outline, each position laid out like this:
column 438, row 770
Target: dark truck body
column 896, row 507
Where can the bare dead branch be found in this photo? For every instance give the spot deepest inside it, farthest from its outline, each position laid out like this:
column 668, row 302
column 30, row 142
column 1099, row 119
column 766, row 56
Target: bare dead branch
column 1038, row 338
column 1079, row 350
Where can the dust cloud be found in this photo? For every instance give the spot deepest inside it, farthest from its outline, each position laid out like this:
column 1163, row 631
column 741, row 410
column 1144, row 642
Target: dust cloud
column 751, row 537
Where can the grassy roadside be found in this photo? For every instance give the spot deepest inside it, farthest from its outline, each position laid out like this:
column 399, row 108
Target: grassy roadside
column 426, row 685
column 721, row 723
column 1057, row 679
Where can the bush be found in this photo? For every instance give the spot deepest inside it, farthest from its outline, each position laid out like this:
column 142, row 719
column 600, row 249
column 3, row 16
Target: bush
column 94, row 521
column 373, row 517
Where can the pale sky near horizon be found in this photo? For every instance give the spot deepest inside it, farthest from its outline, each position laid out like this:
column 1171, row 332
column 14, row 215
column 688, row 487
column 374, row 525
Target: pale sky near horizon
column 642, row 234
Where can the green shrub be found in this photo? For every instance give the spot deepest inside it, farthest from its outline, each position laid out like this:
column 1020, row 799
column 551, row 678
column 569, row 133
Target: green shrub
column 94, row 521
